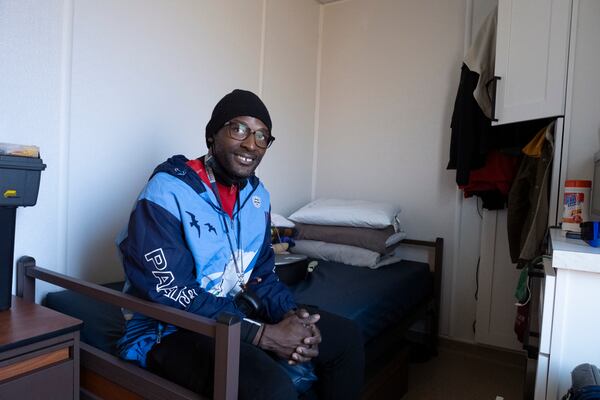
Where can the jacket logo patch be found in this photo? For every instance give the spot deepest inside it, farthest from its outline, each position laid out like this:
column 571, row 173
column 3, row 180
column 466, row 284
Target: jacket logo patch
column 256, row 201
column 194, row 223
column 211, row 228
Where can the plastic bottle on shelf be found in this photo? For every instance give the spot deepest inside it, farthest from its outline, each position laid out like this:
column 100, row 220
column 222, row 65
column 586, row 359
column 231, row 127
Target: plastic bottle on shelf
column 576, row 204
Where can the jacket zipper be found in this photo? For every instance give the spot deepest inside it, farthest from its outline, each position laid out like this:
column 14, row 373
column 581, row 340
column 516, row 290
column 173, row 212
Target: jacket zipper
column 159, row 331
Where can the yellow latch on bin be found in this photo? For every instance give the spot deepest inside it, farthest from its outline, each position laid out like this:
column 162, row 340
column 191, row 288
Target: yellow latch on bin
column 10, row 193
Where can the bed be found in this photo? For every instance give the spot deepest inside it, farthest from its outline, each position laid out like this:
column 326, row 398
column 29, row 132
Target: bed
column 385, row 303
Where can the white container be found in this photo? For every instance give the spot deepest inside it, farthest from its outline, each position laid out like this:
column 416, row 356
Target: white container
column 576, row 204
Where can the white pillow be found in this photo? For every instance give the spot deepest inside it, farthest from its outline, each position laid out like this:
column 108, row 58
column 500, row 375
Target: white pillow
column 280, row 221
column 359, row 213
column 342, row 253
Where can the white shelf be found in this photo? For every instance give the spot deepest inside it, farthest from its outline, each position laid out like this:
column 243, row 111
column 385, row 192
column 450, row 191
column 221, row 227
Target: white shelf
column 570, row 330
column 573, row 254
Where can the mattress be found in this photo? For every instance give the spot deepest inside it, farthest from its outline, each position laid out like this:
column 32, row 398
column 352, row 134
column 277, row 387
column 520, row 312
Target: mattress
column 374, row 299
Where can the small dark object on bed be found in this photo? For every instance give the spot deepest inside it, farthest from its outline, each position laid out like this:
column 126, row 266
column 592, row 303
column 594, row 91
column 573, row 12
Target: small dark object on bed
column 291, row 268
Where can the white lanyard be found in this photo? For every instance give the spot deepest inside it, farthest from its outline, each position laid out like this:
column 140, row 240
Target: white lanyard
column 239, row 269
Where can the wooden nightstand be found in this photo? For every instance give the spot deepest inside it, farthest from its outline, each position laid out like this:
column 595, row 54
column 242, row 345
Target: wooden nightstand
column 39, row 353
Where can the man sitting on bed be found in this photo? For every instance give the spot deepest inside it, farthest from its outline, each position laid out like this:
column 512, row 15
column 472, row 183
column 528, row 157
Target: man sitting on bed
column 198, row 239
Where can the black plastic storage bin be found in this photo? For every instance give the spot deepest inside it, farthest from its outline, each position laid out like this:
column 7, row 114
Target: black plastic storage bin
column 19, row 186
column 19, row 180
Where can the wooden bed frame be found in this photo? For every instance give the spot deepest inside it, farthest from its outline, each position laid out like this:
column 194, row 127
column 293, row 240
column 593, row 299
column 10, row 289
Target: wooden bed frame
column 105, row 376
column 386, row 356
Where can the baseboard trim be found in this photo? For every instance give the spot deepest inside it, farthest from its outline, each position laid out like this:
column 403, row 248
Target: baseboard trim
column 494, row 354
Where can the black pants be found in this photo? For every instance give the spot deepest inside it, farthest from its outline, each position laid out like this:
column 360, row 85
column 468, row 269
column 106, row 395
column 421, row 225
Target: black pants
column 187, row 358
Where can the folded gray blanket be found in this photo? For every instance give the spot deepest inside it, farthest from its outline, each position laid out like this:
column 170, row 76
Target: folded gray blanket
column 378, row 240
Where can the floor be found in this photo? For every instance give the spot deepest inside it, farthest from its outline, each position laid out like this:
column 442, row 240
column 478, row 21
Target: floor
column 464, row 372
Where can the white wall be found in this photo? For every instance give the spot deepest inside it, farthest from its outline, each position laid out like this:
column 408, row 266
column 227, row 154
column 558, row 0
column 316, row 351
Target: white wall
column 583, row 121
column 289, row 87
column 108, row 89
column 31, row 108
column 145, row 78
column 389, row 76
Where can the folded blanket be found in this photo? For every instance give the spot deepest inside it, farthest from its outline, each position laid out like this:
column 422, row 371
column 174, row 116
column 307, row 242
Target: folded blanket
column 377, row 240
column 341, row 253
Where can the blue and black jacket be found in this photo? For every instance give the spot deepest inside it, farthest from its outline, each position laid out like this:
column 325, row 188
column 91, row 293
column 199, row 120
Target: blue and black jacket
column 176, row 251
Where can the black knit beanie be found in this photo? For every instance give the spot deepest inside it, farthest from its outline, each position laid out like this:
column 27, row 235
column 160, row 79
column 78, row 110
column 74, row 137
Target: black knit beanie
column 237, row 104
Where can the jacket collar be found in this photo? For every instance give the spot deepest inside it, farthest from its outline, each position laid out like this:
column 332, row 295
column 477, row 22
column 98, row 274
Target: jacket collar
column 177, row 167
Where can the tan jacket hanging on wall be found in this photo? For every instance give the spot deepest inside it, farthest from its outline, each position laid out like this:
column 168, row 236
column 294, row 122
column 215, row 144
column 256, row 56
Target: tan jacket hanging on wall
column 528, row 202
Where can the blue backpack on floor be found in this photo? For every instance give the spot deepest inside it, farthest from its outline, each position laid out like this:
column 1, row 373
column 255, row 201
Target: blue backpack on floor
column 585, row 379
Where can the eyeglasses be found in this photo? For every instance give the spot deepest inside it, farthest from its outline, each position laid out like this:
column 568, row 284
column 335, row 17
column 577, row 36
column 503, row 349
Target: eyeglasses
column 240, row 131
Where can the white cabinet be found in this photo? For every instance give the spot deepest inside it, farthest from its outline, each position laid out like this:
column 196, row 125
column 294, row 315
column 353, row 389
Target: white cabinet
column 497, row 279
column 532, row 42
column 570, row 325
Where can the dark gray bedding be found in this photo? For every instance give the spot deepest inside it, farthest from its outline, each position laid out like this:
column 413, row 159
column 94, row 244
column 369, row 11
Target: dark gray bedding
column 374, row 298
